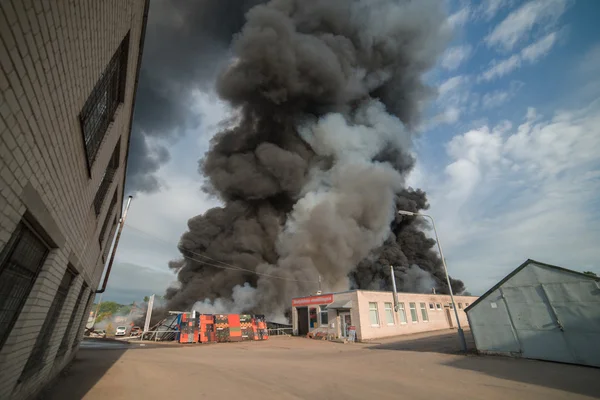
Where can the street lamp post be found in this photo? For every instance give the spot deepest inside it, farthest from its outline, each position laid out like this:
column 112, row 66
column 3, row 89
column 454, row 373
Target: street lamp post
column 461, row 333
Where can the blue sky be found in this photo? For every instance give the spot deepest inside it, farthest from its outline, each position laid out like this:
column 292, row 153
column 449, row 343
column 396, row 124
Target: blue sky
column 509, row 152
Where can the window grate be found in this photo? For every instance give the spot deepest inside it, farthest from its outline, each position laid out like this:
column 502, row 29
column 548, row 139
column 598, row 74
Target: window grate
column 36, row 358
column 20, row 262
column 111, row 208
column 99, row 109
column 64, row 344
column 107, row 179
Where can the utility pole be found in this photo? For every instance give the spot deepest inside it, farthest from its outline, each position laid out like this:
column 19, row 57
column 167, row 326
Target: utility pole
column 394, row 286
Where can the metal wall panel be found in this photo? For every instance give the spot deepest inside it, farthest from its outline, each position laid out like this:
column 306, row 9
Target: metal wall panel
column 541, row 313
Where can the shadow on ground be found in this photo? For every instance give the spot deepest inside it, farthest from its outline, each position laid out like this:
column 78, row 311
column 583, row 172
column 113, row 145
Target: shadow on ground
column 570, row 378
column 94, row 359
column 447, row 343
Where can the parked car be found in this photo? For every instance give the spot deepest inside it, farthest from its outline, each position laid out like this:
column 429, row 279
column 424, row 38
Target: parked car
column 135, row 331
column 101, row 333
column 121, row 331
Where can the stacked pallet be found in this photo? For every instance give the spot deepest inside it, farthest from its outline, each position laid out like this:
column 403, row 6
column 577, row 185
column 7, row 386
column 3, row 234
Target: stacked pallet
column 235, row 329
column 207, row 329
column 247, row 327
column 222, row 327
column 188, row 329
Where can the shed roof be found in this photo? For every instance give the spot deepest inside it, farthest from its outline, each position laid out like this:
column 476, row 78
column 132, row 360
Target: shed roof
column 518, row 269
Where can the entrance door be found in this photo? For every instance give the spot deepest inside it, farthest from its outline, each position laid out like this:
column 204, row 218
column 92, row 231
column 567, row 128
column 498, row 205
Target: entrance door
column 345, row 321
column 449, row 318
column 302, row 321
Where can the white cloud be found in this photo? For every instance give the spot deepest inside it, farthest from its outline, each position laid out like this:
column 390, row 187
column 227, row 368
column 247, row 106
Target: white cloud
column 451, row 85
column 459, row 18
column 455, row 56
column 512, row 193
column 539, row 49
column 499, row 69
column 490, row 8
column 213, row 112
column 531, row 54
column 498, row 97
column 519, row 23
column 450, row 115
column 454, row 99
column 590, row 62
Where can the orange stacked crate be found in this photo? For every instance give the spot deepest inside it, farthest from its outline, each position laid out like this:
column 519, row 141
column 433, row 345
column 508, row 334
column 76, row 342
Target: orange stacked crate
column 246, row 325
column 207, row 329
column 235, row 329
column 254, row 329
column 222, row 328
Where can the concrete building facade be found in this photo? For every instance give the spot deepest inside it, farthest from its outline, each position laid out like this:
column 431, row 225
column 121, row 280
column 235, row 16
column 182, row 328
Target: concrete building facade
column 68, row 76
column 371, row 314
column 540, row 311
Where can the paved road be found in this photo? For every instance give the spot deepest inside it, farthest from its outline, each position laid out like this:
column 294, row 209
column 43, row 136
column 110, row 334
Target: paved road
column 297, row 368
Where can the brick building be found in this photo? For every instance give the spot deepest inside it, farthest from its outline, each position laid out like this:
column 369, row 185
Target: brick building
column 68, row 75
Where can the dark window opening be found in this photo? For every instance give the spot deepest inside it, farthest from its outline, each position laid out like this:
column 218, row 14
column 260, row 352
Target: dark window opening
column 107, row 219
column 108, row 178
column 99, row 109
column 36, row 358
column 84, row 319
column 20, row 263
column 64, row 344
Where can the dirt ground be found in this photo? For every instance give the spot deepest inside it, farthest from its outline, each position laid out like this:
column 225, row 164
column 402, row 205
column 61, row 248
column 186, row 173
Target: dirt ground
column 422, row 366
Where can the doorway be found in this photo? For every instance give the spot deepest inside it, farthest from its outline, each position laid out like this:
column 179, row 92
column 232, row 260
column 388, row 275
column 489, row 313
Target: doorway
column 345, row 322
column 302, row 321
column 449, row 318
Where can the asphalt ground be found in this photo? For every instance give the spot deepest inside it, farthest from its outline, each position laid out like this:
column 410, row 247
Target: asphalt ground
column 423, row 366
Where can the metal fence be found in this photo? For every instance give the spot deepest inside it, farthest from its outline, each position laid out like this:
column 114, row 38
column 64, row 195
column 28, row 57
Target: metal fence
column 281, row 331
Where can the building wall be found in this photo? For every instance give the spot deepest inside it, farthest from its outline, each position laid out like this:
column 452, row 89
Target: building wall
column 52, row 54
column 438, row 318
column 542, row 313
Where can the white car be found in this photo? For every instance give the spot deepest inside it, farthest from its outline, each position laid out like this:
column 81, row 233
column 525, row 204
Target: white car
column 121, row 331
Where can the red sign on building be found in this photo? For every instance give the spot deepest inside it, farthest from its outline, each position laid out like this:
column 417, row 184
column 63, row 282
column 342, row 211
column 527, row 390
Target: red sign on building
column 313, row 300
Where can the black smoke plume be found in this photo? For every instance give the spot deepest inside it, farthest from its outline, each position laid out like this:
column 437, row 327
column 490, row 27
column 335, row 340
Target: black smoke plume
column 186, row 43
column 312, row 173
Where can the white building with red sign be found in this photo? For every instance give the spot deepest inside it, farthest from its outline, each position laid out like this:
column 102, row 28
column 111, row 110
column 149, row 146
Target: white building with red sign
column 372, row 315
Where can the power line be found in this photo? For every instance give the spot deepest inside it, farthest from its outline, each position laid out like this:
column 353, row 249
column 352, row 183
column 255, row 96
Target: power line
column 224, row 266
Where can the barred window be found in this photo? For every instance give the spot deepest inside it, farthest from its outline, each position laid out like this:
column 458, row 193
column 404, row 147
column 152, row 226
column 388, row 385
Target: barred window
column 36, row 358
column 99, row 109
column 20, row 262
column 64, row 344
column 108, row 178
column 107, row 219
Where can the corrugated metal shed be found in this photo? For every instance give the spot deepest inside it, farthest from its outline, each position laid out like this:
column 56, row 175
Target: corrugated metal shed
column 540, row 311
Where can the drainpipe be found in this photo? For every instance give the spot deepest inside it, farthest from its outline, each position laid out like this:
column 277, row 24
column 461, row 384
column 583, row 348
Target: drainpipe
column 114, row 249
